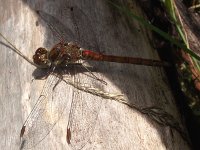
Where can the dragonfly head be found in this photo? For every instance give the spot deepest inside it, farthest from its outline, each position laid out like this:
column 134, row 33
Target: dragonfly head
column 41, row 58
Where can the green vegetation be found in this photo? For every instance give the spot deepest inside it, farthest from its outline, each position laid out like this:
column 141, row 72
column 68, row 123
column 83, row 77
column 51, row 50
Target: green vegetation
column 185, row 71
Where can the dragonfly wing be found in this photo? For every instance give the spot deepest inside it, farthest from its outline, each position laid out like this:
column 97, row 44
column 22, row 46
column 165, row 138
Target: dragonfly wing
column 57, row 27
column 83, row 26
column 82, row 118
column 43, row 116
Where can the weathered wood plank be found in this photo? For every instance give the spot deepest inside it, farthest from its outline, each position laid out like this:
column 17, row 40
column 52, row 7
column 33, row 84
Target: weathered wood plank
column 99, row 27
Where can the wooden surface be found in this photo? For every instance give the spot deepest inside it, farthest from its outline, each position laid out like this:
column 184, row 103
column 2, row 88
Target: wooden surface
column 95, row 25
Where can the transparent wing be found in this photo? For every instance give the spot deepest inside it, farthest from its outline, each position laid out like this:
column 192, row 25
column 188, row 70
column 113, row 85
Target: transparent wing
column 83, row 26
column 43, row 116
column 85, row 107
column 60, row 30
column 82, row 118
column 80, row 22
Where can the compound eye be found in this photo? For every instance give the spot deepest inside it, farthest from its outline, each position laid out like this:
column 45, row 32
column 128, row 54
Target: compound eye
column 41, row 51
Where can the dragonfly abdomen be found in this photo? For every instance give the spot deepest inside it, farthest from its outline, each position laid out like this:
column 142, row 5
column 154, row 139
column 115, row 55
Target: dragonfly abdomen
column 90, row 55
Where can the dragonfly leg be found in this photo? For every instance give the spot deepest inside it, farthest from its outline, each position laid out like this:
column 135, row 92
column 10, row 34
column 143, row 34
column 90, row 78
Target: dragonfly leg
column 60, row 79
column 94, row 76
column 88, row 70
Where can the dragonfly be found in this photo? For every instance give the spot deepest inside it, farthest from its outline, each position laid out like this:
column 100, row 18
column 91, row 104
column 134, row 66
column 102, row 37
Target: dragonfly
column 62, row 55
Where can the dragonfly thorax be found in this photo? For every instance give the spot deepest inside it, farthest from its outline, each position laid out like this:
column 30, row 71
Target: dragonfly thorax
column 60, row 55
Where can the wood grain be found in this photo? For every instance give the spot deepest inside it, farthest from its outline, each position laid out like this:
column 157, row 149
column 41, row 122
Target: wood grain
column 96, row 25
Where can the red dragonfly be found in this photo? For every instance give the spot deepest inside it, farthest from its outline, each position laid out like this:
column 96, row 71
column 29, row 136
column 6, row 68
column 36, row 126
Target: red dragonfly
column 61, row 55
column 65, row 53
